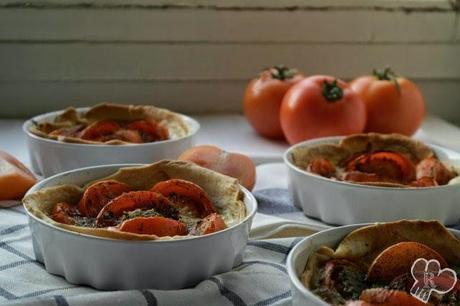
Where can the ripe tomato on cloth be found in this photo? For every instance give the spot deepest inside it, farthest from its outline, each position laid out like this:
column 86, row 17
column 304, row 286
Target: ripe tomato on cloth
column 263, row 96
column 321, row 106
column 394, row 104
column 15, row 178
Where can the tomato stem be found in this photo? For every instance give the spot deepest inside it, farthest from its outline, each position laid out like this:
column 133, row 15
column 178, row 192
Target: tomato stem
column 387, row 74
column 331, row 91
column 281, row 72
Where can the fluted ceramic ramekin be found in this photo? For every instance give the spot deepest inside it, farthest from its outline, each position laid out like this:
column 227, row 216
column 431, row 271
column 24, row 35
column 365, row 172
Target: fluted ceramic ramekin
column 49, row 156
column 339, row 202
column 298, row 257
column 112, row 264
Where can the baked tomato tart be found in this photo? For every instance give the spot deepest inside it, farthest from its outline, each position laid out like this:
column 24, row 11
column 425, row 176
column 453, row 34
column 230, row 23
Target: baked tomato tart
column 158, row 201
column 395, row 263
column 376, row 159
column 113, row 124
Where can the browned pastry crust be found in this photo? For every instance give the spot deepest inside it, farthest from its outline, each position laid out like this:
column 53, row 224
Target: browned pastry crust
column 172, row 122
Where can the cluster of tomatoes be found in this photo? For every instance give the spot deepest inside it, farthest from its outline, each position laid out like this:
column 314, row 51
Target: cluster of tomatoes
column 283, row 103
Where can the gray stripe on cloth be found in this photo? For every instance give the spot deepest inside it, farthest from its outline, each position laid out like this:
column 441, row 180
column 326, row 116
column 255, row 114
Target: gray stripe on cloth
column 60, row 300
column 234, row 298
column 7, row 295
column 12, row 250
column 274, row 299
column 274, row 201
column 13, row 229
column 263, row 263
column 149, row 298
column 15, row 264
column 269, row 246
column 291, row 246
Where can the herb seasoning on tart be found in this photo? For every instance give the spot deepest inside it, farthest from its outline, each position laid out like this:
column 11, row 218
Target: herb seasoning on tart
column 113, row 124
column 376, row 159
column 165, row 199
column 376, row 265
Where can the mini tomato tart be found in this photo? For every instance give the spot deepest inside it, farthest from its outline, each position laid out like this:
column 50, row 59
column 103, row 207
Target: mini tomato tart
column 376, row 159
column 385, row 264
column 164, row 200
column 113, row 124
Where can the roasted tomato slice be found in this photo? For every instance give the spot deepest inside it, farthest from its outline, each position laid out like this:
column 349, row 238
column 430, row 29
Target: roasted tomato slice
column 64, row 213
column 322, row 166
column 387, row 165
column 159, row 226
column 431, row 167
column 128, row 136
column 99, row 129
column 210, row 224
column 399, row 258
column 109, row 214
column 386, row 297
column 186, row 194
column 99, row 194
column 149, row 131
column 356, row 176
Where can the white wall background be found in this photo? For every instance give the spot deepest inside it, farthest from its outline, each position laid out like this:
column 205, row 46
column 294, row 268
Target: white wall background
column 196, row 56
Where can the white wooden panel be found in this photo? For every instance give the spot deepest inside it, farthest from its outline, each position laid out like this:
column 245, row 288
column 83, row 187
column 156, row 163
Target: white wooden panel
column 23, row 99
column 198, row 25
column 442, row 99
column 290, row 4
column 411, row 27
column 218, row 62
column 457, row 31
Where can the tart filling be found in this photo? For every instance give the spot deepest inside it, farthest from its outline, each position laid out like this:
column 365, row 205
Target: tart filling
column 159, row 201
column 376, row 159
column 113, row 124
column 375, row 264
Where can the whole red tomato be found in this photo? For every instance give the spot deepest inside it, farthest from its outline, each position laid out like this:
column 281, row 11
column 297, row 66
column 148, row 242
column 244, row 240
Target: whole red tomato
column 321, row 106
column 263, row 96
column 394, row 104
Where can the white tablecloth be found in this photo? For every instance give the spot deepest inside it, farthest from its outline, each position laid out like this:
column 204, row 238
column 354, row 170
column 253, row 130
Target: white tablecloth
column 260, row 280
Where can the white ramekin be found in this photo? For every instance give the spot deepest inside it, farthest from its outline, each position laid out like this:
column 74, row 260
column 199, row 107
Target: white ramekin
column 298, row 257
column 49, row 156
column 338, row 202
column 112, row 264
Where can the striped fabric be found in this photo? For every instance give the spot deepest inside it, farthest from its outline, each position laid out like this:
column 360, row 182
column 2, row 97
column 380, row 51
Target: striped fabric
column 261, row 279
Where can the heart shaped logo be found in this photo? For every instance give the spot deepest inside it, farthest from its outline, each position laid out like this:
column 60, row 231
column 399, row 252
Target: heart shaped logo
column 429, row 277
